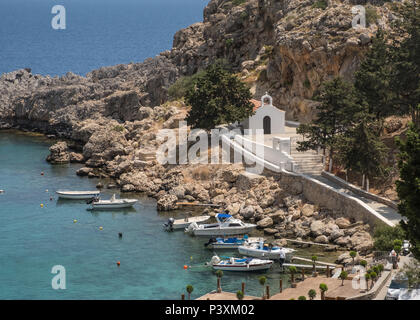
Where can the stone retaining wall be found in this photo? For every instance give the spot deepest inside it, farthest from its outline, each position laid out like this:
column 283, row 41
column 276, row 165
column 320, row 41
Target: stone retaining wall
column 359, row 191
column 326, row 196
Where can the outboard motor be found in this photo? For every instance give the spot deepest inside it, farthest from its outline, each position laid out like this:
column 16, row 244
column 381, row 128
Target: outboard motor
column 169, row 225
column 191, row 227
column 211, row 240
column 94, row 199
column 215, row 260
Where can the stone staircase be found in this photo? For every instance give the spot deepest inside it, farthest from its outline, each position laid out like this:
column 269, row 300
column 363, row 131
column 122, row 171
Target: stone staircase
column 308, row 162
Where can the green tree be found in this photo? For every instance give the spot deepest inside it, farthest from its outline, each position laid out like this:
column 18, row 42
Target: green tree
column 361, row 150
column 373, row 276
column 412, row 272
column 262, row 281
column 363, row 263
column 408, row 186
column 301, row 298
column 384, row 237
column 405, row 50
column 239, row 295
column 217, row 97
column 312, row 294
column 324, row 288
column 292, row 270
column 190, row 289
column 343, row 276
column 367, row 278
column 335, row 113
column 353, row 255
column 372, row 80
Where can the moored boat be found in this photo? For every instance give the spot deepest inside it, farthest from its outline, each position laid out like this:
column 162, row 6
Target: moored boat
column 77, row 195
column 113, row 203
column 229, row 243
column 178, row 224
column 237, row 264
column 226, row 225
column 264, row 251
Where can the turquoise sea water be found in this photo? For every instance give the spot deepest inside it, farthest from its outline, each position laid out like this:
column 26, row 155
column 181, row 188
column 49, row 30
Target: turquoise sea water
column 34, row 239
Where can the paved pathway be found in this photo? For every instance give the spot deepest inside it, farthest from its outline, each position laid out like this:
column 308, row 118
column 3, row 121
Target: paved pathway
column 386, row 211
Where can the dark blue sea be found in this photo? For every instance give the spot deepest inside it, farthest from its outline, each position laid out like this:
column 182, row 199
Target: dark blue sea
column 98, row 32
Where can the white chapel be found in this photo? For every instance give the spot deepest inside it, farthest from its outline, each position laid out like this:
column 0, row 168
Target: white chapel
column 266, row 117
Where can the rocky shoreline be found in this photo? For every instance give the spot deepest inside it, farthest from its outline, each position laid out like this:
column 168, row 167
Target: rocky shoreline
column 110, row 117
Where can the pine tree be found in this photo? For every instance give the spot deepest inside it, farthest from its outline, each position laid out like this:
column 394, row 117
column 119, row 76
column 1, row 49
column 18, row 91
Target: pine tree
column 406, row 60
column 335, row 114
column 372, row 80
column 217, row 97
column 361, row 149
column 408, row 186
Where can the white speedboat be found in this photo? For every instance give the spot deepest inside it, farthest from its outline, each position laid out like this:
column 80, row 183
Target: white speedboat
column 225, row 226
column 78, row 195
column 236, row 264
column 177, row 224
column 229, row 243
column 113, row 203
column 264, row 251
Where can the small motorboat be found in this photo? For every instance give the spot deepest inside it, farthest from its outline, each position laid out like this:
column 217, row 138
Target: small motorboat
column 113, row 203
column 265, row 251
column 178, row 224
column 229, row 243
column 236, row 264
column 226, row 225
column 78, row 195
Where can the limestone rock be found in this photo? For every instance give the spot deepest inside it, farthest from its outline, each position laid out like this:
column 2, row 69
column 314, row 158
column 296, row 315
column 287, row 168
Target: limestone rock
column 59, row 153
column 321, row 239
column 265, row 223
column 317, row 228
column 308, row 210
column 167, row 202
column 342, row 223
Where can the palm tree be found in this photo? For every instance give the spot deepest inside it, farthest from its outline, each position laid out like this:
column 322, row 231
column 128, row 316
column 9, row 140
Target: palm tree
column 219, row 274
column 292, row 270
column 363, row 263
column 239, row 295
column 353, row 255
column 343, row 276
column 190, row 289
column 262, row 280
column 312, row 294
column 324, row 288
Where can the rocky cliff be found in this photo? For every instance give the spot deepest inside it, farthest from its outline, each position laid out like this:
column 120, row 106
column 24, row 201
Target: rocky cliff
column 286, row 47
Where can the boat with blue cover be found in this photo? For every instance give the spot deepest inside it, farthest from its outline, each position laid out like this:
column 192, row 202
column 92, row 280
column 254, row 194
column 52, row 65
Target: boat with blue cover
column 265, row 251
column 238, row 264
column 229, row 243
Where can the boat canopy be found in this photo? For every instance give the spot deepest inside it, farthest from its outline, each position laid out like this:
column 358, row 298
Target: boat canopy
column 224, row 215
